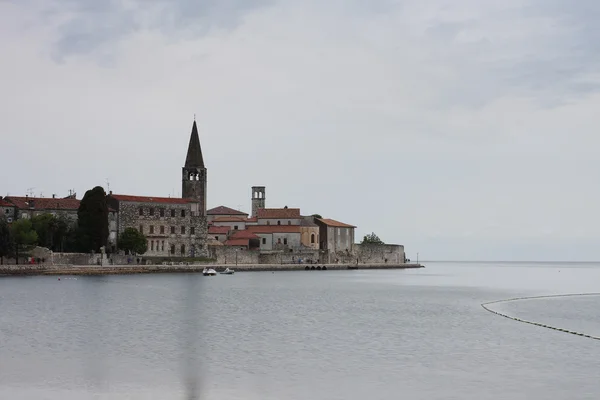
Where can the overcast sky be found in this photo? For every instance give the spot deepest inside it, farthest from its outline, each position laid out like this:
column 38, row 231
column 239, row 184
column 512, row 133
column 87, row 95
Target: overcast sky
column 463, row 129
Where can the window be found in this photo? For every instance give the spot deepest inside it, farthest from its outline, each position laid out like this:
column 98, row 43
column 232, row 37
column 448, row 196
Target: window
column 141, row 211
column 151, row 229
column 172, row 249
column 152, row 245
column 183, row 230
column 173, row 213
column 192, row 230
column 268, row 222
column 141, row 229
column 172, row 230
column 162, row 245
column 264, row 241
column 162, row 229
column 151, row 211
column 183, row 249
column 216, row 238
column 278, row 222
column 162, row 212
column 279, row 241
column 182, row 213
column 289, row 222
column 284, row 240
column 312, row 238
column 235, row 227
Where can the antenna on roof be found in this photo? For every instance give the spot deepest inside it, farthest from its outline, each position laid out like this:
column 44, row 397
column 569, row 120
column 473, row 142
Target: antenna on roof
column 30, row 192
column 194, row 116
column 107, row 185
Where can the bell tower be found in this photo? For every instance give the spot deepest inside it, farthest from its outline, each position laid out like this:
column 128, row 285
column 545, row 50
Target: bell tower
column 258, row 199
column 193, row 185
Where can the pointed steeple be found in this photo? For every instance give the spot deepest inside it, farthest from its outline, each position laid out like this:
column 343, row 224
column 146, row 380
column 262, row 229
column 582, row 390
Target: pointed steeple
column 194, row 157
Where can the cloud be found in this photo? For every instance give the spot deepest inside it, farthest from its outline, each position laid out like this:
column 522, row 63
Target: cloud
column 428, row 122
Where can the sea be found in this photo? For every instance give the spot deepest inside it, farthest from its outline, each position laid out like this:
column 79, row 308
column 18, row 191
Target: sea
column 305, row 335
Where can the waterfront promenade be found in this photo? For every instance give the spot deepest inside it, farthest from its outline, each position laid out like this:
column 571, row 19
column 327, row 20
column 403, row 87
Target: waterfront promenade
column 146, row 269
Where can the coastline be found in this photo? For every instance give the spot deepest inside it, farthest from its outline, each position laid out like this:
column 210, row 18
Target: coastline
column 29, row 270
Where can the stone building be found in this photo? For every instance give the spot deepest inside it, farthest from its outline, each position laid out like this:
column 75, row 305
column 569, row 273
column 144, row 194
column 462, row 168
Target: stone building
column 7, row 210
column 28, row 207
column 174, row 227
column 335, row 236
column 309, row 232
column 258, row 199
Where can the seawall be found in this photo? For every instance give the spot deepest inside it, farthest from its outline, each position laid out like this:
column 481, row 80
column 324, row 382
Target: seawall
column 15, row 270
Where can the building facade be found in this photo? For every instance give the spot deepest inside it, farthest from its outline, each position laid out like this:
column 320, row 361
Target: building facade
column 335, row 236
column 7, row 210
column 29, row 207
column 174, row 227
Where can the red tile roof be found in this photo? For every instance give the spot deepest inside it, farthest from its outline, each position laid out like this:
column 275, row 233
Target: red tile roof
column 337, row 224
column 273, row 228
column 43, row 203
column 218, row 230
column 272, row 213
column 252, row 219
column 222, row 210
column 5, row 204
column 146, row 199
column 237, row 242
column 229, row 219
column 244, row 235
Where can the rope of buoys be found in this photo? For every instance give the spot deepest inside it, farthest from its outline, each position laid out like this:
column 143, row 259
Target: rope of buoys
column 485, row 307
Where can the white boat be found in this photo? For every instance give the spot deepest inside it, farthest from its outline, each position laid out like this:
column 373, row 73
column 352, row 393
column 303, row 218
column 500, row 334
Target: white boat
column 228, row 271
column 209, row 272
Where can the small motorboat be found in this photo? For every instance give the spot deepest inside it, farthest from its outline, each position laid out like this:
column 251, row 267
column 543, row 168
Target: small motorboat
column 228, row 271
column 209, row 272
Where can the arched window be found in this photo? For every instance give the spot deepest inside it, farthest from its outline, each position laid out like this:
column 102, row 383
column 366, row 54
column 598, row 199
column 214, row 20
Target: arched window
column 183, row 249
column 312, row 238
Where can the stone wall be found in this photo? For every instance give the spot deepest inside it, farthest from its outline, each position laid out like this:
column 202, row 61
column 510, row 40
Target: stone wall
column 370, row 254
column 164, row 231
column 286, row 257
column 229, row 255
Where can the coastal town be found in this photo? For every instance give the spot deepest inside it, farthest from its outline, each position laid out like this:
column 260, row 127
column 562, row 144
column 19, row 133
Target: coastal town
column 174, row 230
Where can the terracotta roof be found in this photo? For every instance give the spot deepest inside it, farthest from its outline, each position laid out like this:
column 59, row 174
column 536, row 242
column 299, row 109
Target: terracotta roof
column 146, row 199
column 218, row 230
column 252, row 219
column 332, row 222
column 222, row 210
column 244, row 235
column 5, row 204
column 229, row 219
column 237, row 242
column 273, row 228
column 43, row 203
column 272, row 213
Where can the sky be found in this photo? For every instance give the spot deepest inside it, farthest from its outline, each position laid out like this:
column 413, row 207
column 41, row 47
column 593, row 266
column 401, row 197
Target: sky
column 462, row 129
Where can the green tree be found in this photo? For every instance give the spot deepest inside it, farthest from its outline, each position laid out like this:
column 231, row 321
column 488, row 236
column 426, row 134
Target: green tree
column 371, row 238
column 133, row 241
column 317, row 216
column 93, row 220
column 5, row 239
column 23, row 236
column 45, row 225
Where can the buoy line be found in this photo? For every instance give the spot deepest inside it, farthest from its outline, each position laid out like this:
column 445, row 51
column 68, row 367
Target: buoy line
column 485, row 307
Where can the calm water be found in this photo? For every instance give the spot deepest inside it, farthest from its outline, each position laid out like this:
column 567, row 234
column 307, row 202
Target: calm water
column 309, row 335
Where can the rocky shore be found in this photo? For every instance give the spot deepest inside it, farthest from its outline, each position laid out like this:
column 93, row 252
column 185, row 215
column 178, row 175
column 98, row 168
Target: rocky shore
column 12, row 270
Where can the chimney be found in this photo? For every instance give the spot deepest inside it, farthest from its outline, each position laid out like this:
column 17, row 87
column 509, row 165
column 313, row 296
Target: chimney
column 110, row 193
column 53, row 195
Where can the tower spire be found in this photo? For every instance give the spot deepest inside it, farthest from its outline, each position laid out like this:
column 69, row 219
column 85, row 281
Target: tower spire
column 194, row 154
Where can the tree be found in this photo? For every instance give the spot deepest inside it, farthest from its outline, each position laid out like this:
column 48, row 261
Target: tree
column 5, row 239
column 133, row 241
column 45, row 225
column 93, row 220
column 317, row 216
column 22, row 236
column 371, row 238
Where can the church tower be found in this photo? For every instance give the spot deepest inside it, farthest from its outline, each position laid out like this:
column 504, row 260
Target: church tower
column 258, row 199
column 193, row 184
